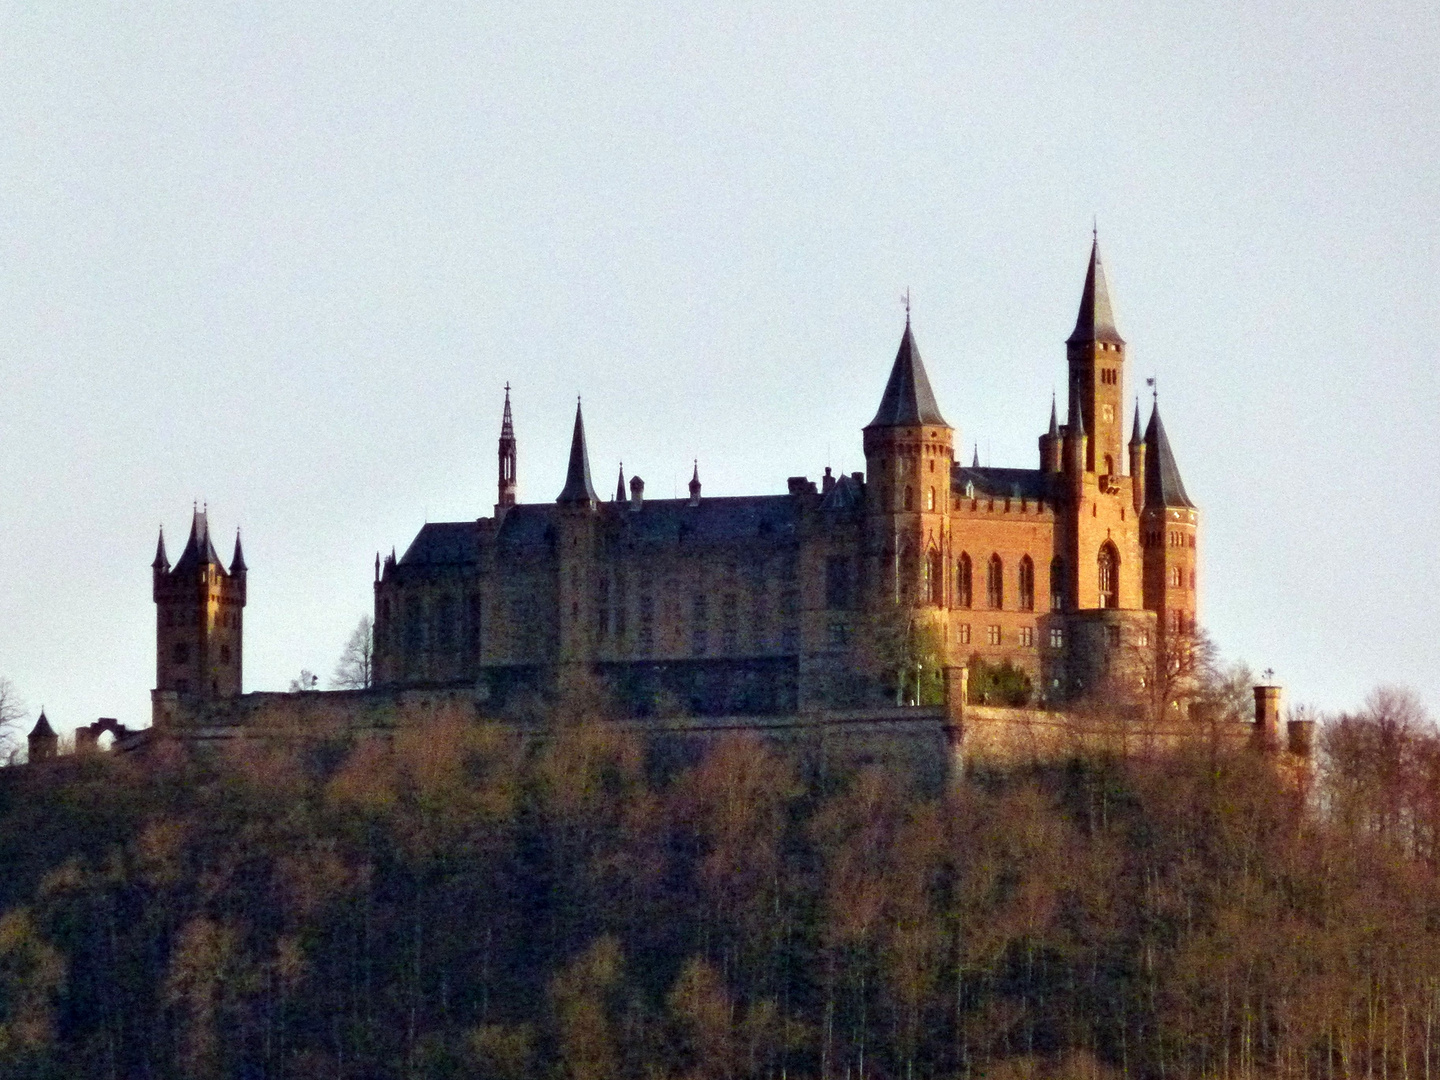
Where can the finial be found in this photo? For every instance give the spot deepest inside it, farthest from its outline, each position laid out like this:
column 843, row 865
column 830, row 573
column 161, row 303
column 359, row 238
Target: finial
column 1154, row 390
column 507, row 388
column 1095, row 229
column 906, row 301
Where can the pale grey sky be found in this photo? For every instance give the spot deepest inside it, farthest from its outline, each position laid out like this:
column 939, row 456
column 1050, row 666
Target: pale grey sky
column 283, row 256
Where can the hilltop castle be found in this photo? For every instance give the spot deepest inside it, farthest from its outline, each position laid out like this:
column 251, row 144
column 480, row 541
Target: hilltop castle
column 1076, row 571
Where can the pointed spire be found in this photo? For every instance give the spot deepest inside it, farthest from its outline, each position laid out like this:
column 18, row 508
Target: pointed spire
column 695, row 484
column 1163, row 486
column 908, row 400
column 975, row 462
column 1054, row 427
column 237, row 564
column 1096, row 320
column 578, row 488
column 1135, row 438
column 507, row 425
column 620, row 485
column 1077, row 421
column 199, row 551
column 161, row 561
column 42, row 729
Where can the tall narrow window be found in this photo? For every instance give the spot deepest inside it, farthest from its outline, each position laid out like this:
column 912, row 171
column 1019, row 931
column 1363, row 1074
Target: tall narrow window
column 964, row 594
column 995, row 583
column 1109, row 569
column 930, row 497
column 1057, row 584
column 935, row 577
column 1027, row 584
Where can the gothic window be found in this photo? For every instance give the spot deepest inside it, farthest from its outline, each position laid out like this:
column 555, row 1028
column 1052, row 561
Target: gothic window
column 1177, row 577
column 995, row 583
column 930, row 497
column 1027, row 584
column 964, row 594
column 1057, row 584
column 934, row 578
column 1109, row 570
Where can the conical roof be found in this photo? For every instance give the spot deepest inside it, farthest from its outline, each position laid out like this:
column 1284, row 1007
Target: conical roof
column 620, row 485
column 1054, row 426
column 237, row 564
column 199, row 551
column 578, row 488
column 1163, row 486
column 162, row 562
column 1135, row 428
column 908, row 399
column 1096, row 320
column 42, row 729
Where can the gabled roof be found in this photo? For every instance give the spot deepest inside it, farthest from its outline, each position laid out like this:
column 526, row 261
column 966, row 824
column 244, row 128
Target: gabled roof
column 847, row 494
column 1096, row 320
column 199, row 551
column 1163, row 486
column 578, row 487
column 908, row 400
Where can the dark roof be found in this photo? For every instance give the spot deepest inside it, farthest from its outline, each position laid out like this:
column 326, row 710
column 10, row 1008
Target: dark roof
column 237, row 563
column 531, row 526
column 1000, row 483
column 447, row 543
column 1054, row 427
column 1135, row 428
column 1096, row 320
column 1163, row 486
column 507, row 425
column 161, row 561
column 577, row 475
column 42, row 729
column 199, row 551
column 908, row 399
column 847, row 494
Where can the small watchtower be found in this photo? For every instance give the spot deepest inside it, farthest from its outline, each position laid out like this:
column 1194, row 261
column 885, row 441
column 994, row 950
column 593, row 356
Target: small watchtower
column 199, row 608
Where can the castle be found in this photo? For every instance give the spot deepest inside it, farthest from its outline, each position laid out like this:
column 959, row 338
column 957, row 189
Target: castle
column 833, row 596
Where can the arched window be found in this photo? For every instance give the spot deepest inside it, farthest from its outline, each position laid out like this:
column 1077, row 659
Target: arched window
column 1109, row 465
column 1109, row 576
column 930, row 497
column 1027, row 584
column 964, row 594
column 934, row 577
column 1057, row 584
column 995, row 583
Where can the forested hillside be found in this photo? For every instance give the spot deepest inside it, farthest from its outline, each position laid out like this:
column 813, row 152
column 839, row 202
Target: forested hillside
column 457, row 903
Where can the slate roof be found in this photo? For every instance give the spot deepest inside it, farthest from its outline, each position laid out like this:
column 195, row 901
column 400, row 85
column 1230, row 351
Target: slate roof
column 908, row 400
column 1163, row 486
column 578, row 487
column 659, row 522
column 199, row 551
column 1096, row 319
column 1000, row 483
column 42, row 728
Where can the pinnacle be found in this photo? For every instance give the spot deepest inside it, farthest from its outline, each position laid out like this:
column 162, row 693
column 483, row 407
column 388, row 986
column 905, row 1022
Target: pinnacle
column 578, row 488
column 1096, row 319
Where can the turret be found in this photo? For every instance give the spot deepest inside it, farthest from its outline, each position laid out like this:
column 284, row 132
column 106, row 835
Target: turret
column 507, row 484
column 1076, row 449
column 1137, row 462
column 1169, row 530
column 909, row 455
column 43, row 742
column 1096, row 354
column 199, row 608
column 1052, row 445
column 576, row 526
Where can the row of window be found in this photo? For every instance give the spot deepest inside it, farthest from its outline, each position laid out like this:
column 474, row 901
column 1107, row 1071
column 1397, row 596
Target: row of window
column 1176, row 538
column 1180, row 579
column 181, row 653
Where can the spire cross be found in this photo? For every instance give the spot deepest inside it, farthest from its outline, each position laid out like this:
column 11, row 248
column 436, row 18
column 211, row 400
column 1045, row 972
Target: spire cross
column 507, row 388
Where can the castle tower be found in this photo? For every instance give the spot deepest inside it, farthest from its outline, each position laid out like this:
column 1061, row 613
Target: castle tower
column 909, row 453
column 1096, row 354
column 1169, row 535
column 579, row 511
column 43, row 743
column 199, row 608
column 507, row 459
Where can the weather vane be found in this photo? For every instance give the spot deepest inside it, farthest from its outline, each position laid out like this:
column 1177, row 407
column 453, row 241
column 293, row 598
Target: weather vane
column 1154, row 390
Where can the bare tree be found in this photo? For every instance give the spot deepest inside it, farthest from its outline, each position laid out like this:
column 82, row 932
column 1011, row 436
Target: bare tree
column 306, row 681
column 356, row 669
column 12, row 712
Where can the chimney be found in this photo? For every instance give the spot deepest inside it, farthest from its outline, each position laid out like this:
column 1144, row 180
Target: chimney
column 637, row 492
